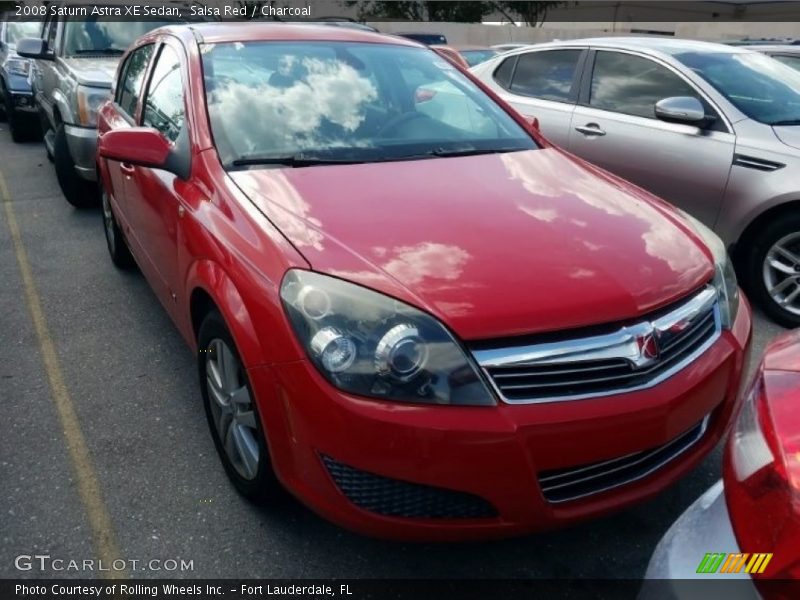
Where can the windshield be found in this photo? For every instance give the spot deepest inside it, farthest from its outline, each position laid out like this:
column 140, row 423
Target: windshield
column 103, row 35
column 476, row 57
column 16, row 30
column 313, row 102
column 759, row 86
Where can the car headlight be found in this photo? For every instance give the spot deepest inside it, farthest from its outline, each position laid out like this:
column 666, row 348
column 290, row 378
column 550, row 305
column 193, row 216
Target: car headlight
column 18, row 66
column 724, row 276
column 89, row 102
column 372, row 345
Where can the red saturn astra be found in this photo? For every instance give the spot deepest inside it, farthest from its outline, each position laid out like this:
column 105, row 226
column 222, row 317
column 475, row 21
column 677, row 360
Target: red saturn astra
column 409, row 308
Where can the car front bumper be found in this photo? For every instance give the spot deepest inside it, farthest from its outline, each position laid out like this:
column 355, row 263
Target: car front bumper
column 82, row 142
column 350, row 458
column 22, row 102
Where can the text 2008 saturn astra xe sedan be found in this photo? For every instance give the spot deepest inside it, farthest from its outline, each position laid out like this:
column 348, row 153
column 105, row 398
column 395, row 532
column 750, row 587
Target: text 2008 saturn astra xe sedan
column 408, row 308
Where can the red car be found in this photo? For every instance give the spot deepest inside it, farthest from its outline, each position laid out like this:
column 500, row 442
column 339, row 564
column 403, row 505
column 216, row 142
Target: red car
column 412, row 312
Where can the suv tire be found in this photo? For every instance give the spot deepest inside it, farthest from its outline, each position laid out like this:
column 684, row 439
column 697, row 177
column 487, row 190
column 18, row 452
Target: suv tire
column 78, row 192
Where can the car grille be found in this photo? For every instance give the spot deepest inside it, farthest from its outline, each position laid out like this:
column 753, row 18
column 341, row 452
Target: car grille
column 629, row 358
column 394, row 498
column 563, row 485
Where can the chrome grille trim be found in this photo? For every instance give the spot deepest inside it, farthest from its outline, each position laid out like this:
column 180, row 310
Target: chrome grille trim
column 566, row 485
column 619, row 358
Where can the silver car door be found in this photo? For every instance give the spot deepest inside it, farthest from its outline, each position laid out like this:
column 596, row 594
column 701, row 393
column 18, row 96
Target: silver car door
column 614, row 126
column 541, row 84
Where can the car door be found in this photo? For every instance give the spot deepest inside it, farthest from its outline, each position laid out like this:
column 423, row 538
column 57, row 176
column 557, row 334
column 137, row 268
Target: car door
column 542, row 84
column 127, row 97
column 615, row 127
column 153, row 196
column 45, row 75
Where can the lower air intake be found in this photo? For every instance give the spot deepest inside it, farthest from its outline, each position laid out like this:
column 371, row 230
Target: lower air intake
column 394, row 498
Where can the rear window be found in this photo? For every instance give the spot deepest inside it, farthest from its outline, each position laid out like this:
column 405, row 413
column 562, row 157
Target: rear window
column 546, row 74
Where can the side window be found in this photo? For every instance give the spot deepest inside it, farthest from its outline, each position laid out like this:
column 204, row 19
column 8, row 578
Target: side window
column 632, row 85
column 163, row 108
column 502, row 74
column 546, row 74
column 129, row 90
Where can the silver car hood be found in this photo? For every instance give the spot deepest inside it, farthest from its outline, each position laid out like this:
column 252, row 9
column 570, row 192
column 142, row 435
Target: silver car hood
column 94, row 71
column 789, row 135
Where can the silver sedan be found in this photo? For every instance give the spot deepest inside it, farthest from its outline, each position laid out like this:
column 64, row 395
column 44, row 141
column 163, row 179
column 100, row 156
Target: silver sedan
column 713, row 129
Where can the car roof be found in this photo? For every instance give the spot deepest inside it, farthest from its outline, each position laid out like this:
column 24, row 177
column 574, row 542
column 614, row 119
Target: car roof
column 778, row 48
column 655, row 44
column 214, row 33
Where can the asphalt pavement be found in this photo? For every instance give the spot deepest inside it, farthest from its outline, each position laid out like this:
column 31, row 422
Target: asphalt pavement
column 104, row 443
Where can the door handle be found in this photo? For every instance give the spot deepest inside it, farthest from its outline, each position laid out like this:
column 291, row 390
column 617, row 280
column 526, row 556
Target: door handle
column 591, row 129
column 126, row 169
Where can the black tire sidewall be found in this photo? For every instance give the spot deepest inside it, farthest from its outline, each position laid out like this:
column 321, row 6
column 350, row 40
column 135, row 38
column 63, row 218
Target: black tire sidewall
column 78, row 192
column 756, row 254
column 264, row 485
column 118, row 250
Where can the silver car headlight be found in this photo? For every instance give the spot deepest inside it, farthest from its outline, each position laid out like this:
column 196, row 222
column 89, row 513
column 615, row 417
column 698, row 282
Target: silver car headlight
column 724, row 276
column 372, row 345
column 18, row 66
column 89, row 102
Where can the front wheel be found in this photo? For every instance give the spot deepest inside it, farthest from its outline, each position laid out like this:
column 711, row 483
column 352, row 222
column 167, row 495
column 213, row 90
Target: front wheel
column 772, row 270
column 232, row 414
column 78, row 192
column 117, row 247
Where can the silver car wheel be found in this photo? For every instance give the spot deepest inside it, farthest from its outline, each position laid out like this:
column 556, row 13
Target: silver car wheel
column 232, row 408
column 108, row 221
column 781, row 272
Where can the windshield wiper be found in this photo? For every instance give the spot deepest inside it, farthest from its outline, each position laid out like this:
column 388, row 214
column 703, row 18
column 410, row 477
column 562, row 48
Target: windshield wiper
column 293, row 160
column 114, row 51
column 466, row 151
column 786, row 123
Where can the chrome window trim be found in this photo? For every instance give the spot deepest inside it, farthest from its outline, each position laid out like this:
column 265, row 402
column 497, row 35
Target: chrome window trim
column 621, row 344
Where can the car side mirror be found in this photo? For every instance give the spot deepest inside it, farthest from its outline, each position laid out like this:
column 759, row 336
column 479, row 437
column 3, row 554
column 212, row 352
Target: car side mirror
column 143, row 147
column 681, row 109
column 35, row 48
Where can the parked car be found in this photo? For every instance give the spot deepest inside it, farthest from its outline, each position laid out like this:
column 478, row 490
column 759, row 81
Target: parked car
column 475, row 55
column 787, row 54
column 711, row 128
column 422, row 330
column 507, row 47
column 75, row 59
column 429, row 39
column 747, row 525
column 16, row 98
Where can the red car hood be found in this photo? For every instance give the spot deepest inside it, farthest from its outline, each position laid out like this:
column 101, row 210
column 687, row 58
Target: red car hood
column 493, row 245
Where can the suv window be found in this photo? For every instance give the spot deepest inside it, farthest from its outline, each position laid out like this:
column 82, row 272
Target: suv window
column 632, row 85
column 130, row 88
column 163, row 108
column 546, row 74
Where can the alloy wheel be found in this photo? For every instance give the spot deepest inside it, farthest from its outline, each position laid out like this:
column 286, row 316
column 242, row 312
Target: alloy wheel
column 232, row 408
column 781, row 272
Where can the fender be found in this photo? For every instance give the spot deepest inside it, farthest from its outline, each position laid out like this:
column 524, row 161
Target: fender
column 210, row 277
column 67, row 115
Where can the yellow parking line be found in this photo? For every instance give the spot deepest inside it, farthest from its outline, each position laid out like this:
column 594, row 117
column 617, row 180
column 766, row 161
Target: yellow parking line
column 105, row 543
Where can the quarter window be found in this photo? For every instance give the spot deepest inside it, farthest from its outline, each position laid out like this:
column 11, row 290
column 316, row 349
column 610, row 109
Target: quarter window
column 130, row 89
column 164, row 109
column 546, row 74
column 632, row 85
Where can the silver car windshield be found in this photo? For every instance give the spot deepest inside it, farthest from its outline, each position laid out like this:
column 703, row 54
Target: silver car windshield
column 104, row 36
column 300, row 104
column 16, row 30
column 761, row 87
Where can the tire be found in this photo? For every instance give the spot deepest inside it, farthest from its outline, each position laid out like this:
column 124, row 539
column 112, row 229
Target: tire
column 781, row 273
column 78, row 192
column 117, row 247
column 258, row 484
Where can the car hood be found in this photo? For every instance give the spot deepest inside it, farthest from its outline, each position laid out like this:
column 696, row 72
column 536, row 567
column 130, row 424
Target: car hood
column 93, row 71
column 493, row 245
column 788, row 135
